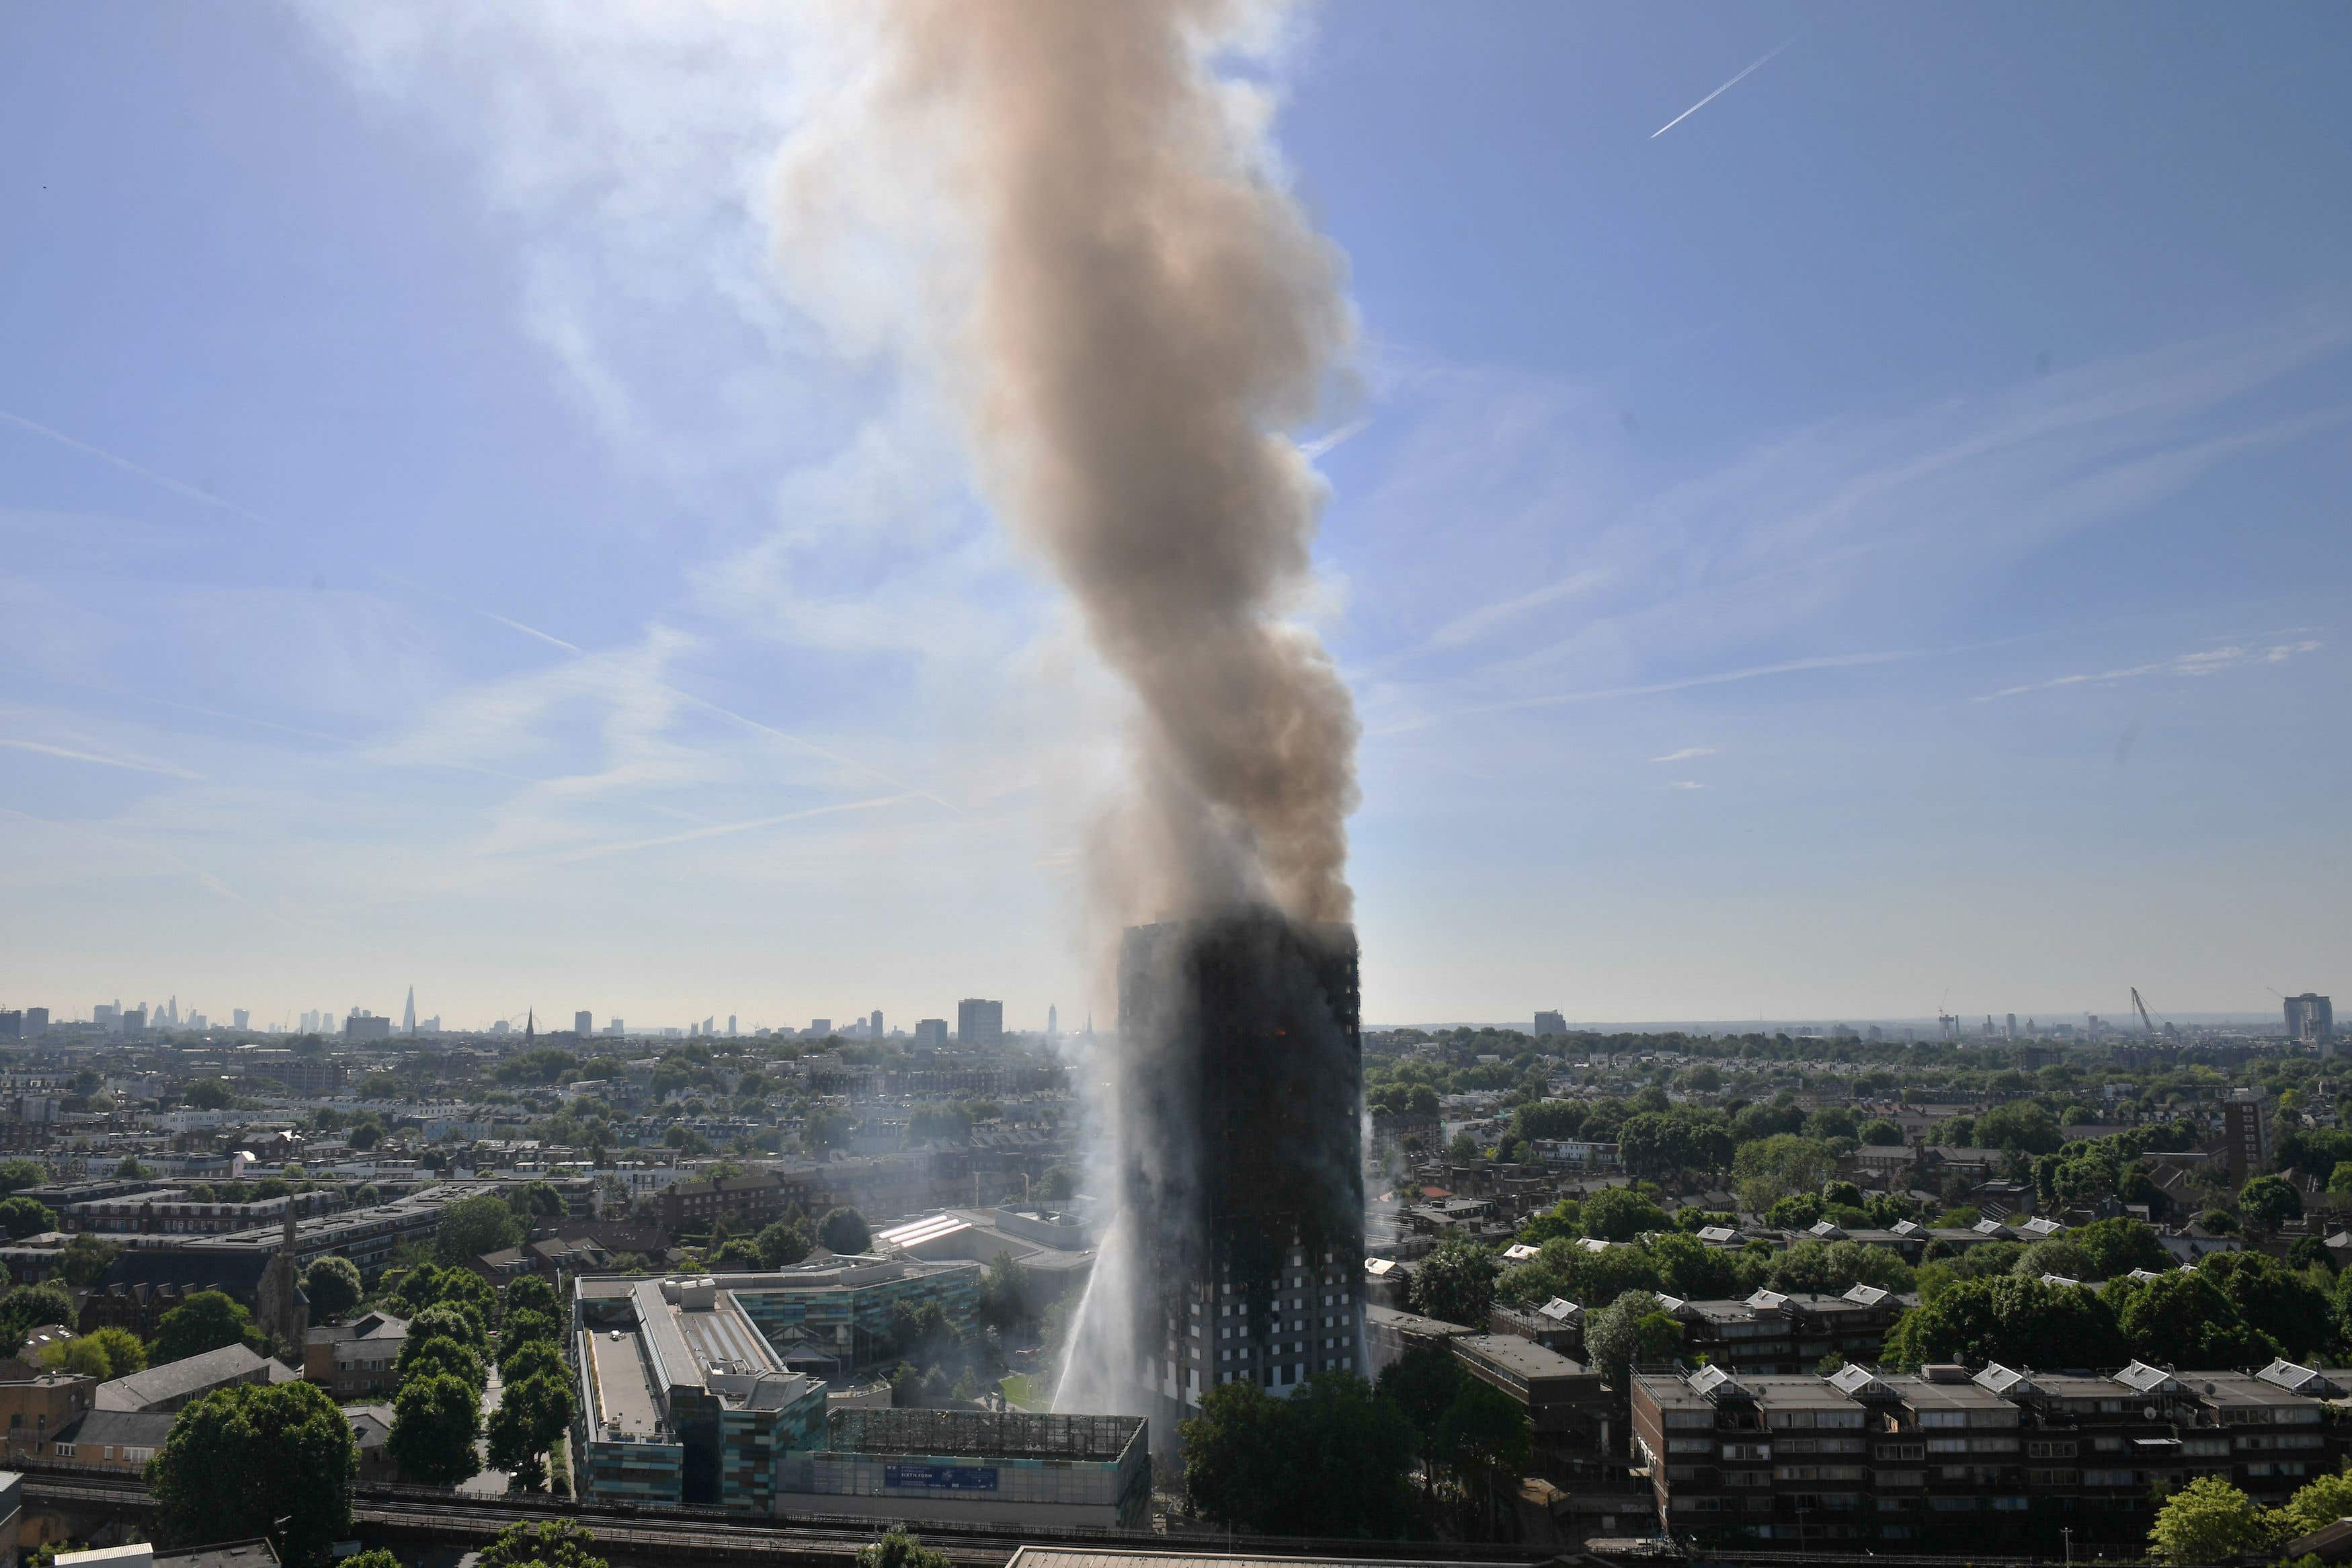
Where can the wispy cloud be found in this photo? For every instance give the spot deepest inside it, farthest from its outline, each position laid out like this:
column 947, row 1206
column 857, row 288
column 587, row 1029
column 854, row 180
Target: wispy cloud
column 128, row 764
column 1684, row 784
column 1685, row 753
column 722, row 830
column 1470, row 628
column 177, row 486
column 1658, row 688
column 2209, row 662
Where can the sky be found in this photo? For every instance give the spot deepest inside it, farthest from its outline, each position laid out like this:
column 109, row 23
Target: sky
column 1877, row 543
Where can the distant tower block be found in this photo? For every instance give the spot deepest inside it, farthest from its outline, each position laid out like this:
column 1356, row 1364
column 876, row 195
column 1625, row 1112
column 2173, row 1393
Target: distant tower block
column 584, row 1023
column 1550, row 1023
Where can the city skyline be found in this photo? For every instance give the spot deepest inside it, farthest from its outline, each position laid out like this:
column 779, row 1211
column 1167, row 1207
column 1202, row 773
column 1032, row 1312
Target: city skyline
column 1824, row 551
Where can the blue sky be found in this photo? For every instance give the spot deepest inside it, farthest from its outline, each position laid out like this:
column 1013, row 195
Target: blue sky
column 1883, row 538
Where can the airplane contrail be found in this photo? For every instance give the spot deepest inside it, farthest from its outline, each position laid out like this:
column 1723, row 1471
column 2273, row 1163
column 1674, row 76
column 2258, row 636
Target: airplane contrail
column 1718, row 92
column 177, row 486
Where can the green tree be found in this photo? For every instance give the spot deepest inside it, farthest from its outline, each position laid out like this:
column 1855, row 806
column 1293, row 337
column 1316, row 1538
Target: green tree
column 437, row 1355
column 533, row 1294
column 103, row 1353
column 784, row 1243
column 23, row 1217
column 2184, row 1319
column 1620, row 1214
column 2313, row 1507
column 1562, row 1219
column 1631, row 1331
column 2118, row 1245
column 2016, row 1321
column 435, row 1419
column 27, row 1307
column 1486, row 1439
column 530, row 1416
column 473, row 1226
column 2020, row 1126
column 207, row 1320
column 332, row 1285
column 519, row 1362
column 1423, row 1384
column 2267, row 1202
column 740, row 1254
column 1331, row 1460
column 844, row 1230
column 84, row 1260
column 897, row 1549
column 2209, row 1521
column 209, row 1094
column 455, row 1321
column 19, row 1174
column 242, row 1458
column 551, row 1544
column 1771, row 1168
column 2274, row 1299
column 1834, row 1267
column 1879, row 1133
column 1455, row 1283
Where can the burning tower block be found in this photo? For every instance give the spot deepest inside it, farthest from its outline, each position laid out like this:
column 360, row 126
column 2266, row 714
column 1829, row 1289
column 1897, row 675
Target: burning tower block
column 1240, row 1100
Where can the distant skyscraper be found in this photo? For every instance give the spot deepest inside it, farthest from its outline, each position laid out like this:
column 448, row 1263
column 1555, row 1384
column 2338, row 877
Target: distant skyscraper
column 931, row 1034
column 819, row 1028
column 874, row 1024
column 2246, row 1133
column 730, row 1026
column 2310, row 1018
column 2012, row 1026
column 613, row 1029
column 408, row 1015
column 36, row 1020
column 1550, row 1023
column 584, row 1023
column 978, row 1022
column 1053, row 1021
column 239, row 1018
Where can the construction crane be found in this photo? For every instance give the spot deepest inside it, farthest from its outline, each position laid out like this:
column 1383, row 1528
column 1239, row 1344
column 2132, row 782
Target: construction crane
column 2147, row 1022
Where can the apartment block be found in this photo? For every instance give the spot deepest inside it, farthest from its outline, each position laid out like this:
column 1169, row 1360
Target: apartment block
column 1999, row 1457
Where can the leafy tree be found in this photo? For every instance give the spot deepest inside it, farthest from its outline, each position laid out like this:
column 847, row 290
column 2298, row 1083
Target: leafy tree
column 103, row 1353
column 23, row 1217
column 533, row 1294
column 473, row 1226
column 522, row 1328
column 1770, row 1168
column 1687, row 1266
column 844, row 1230
column 897, row 1549
column 1330, row 1460
column 241, row 1458
column 2057, row 1255
column 438, row 1356
column 209, row 1094
column 1620, row 1214
column 2313, row 1507
column 551, row 1544
column 1879, row 1133
column 783, row 1243
column 2017, row 1322
column 332, row 1284
column 530, row 1416
column 456, row 1322
column 435, row 1419
column 17, row 1174
column 2184, row 1319
column 521, row 1363
column 27, row 1307
column 1564, row 1220
column 2020, row 1126
column 1632, row 1331
column 1486, row 1437
column 1455, row 1283
column 207, row 1320
column 2274, row 1300
column 741, row 1253
column 2118, row 1245
column 2267, row 1202
column 1007, row 1299
column 2208, row 1520
column 85, row 1259
column 1423, row 1384
column 1835, row 1267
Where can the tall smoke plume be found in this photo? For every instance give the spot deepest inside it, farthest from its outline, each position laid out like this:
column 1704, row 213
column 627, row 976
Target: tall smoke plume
column 1147, row 309
column 1130, row 310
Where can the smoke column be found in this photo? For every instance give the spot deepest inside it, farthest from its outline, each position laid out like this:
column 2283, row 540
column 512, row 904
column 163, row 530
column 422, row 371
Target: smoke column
column 1128, row 309
column 1139, row 308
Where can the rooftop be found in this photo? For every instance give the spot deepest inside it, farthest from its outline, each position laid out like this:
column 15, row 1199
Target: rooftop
column 977, row 1434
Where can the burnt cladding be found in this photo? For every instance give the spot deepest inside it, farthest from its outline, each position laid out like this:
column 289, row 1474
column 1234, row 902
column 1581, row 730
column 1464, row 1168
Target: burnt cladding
column 1241, row 1137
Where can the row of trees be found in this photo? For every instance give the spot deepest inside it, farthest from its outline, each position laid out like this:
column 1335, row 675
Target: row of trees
column 441, row 1374
column 2210, row 1521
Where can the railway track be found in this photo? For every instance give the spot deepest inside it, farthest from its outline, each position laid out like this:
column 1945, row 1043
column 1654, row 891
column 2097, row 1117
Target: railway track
column 680, row 1538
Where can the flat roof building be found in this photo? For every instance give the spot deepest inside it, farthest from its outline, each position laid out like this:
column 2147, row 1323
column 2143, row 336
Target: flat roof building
column 982, row 1467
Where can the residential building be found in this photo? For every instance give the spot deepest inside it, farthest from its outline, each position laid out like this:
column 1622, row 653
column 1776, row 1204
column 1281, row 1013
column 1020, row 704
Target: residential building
column 974, row 1467
column 2001, row 1458
column 167, row 1211
column 1550, row 1023
column 115, row 1439
column 364, row 1025
column 931, row 1034
column 1579, row 1438
column 2246, row 1135
column 745, row 1202
column 38, row 1406
column 1771, row 1332
column 1390, row 1332
column 584, row 1023
column 354, row 1360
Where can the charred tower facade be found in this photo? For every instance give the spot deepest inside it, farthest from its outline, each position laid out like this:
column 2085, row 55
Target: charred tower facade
column 1240, row 1098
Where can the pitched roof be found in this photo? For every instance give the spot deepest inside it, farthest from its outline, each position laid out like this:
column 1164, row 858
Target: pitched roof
column 195, row 1374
